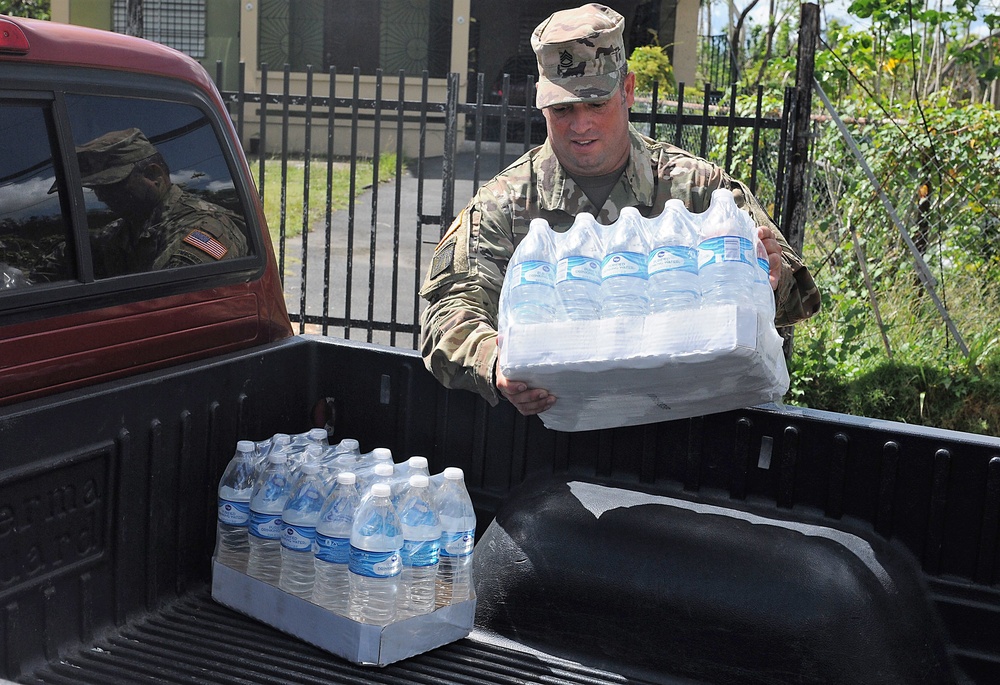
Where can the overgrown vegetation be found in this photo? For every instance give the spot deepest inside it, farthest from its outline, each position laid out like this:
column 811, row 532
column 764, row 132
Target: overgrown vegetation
column 917, row 92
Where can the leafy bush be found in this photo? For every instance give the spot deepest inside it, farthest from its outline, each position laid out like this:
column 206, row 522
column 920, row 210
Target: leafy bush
column 650, row 65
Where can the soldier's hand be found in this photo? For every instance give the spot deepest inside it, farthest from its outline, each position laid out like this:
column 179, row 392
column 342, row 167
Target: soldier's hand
column 527, row 400
column 773, row 249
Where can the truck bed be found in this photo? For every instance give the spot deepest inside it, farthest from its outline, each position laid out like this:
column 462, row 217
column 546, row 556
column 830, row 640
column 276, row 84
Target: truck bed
column 107, row 513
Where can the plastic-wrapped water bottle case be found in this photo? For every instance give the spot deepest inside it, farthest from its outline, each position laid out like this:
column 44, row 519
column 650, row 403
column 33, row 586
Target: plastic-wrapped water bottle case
column 355, row 533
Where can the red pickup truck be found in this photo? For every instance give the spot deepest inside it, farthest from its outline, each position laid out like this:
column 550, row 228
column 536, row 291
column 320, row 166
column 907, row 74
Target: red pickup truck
column 67, row 320
column 764, row 546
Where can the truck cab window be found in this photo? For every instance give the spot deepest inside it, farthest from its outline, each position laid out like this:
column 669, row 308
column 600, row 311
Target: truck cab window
column 158, row 191
column 34, row 245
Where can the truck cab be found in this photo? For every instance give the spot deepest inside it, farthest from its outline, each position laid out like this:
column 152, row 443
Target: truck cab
column 80, row 300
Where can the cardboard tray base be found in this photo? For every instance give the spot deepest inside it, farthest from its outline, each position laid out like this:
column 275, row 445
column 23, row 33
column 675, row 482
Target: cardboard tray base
column 357, row 642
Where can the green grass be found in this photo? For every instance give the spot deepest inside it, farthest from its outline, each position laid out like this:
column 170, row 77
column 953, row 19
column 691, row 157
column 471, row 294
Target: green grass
column 339, row 183
column 840, row 363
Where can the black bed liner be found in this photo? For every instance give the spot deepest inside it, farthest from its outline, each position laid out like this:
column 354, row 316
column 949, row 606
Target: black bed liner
column 193, row 639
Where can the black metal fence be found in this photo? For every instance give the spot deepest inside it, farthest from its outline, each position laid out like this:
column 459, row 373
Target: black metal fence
column 356, row 272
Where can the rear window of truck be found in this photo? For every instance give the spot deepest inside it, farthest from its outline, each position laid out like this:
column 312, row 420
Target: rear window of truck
column 109, row 190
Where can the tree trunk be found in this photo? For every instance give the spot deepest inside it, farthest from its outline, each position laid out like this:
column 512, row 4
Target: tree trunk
column 133, row 22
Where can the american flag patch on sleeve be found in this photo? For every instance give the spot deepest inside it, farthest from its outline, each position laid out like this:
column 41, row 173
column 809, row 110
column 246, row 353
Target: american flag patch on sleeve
column 206, row 243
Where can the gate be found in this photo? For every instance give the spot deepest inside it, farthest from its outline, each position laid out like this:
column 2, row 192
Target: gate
column 356, row 272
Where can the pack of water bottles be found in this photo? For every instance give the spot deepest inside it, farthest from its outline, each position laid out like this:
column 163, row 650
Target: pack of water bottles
column 359, row 555
column 644, row 320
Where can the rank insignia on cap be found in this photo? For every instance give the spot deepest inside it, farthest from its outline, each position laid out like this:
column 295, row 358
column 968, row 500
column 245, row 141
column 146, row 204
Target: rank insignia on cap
column 206, row 243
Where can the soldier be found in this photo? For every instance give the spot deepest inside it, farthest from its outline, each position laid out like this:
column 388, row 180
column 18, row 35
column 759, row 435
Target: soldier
column 592, row 161
column 161, row 226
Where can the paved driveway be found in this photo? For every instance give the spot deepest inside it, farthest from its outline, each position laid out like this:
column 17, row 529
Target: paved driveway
column 405, row 253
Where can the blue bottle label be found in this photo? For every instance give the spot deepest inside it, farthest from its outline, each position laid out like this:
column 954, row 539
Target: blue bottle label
column 533, row 272
column 578, row 269
column 375, row 564
column 297, row 538
column 623, row 264
column 421, row 552
column 673, row 258
column 333, row 550
column 234, row 513
column 724, row 249
column 266, row 526
column 454, row 544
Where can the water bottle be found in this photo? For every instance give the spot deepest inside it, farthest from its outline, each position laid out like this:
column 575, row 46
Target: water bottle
column 332, row 588
column 763, row 293
column 375, row 561
column 276, row 443
column 313, row 436
column 344, row 456
column 412, row 466
column 623, row 271
column 270, row 492
column 383, row 472
column 531, row 277
column 347, row 448
column 376, row 460
column 673, row 260
column 458, row 536
column 235, row 488
column 299, row 518
column 725, row 264
column 421, row 541
column 579, row 253
column 310, row 454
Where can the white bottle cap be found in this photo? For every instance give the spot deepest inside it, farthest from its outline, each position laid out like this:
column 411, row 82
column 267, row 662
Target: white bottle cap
column 419, row 480
column 417, row 462
column 382, row 454
column 277, row 457
column 246, row 446
column 309, row 467
column 347, row 478
column 313, row 451
column 281, row 439
column 381, row 490
column 318, row 434
column 350, row 444
column 454, row 473
column 383, row 469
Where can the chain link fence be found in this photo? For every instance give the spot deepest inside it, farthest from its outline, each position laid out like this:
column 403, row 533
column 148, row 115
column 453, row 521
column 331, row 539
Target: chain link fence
column 904, row 229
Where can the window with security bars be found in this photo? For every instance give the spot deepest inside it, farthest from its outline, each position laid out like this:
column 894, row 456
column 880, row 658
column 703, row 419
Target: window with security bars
column 179, row 24
column 394, row 35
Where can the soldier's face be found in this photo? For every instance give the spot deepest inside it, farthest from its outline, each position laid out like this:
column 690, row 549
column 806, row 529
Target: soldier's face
column 591, row 138
column 133, row 198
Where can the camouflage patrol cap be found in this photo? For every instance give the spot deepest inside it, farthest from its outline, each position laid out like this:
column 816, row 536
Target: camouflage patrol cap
column 111, row 157
column 581, row 55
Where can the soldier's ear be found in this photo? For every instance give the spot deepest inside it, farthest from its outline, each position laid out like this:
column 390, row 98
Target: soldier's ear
column 156, row 173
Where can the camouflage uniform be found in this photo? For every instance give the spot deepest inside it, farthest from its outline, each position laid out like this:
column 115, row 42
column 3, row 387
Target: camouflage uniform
column 580, row 58
column 182, row 231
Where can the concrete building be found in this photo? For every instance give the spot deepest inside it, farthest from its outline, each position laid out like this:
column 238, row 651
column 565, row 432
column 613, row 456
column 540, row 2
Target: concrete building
column 439, row 36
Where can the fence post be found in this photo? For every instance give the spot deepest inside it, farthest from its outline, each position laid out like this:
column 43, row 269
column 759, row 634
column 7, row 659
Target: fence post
column 797, row 198
column 450, row 148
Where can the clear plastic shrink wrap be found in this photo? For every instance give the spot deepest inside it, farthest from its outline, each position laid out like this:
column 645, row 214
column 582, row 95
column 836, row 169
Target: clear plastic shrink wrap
column 676, row 363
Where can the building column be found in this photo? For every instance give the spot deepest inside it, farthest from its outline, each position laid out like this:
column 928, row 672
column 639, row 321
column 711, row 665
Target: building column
column 685, row 62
